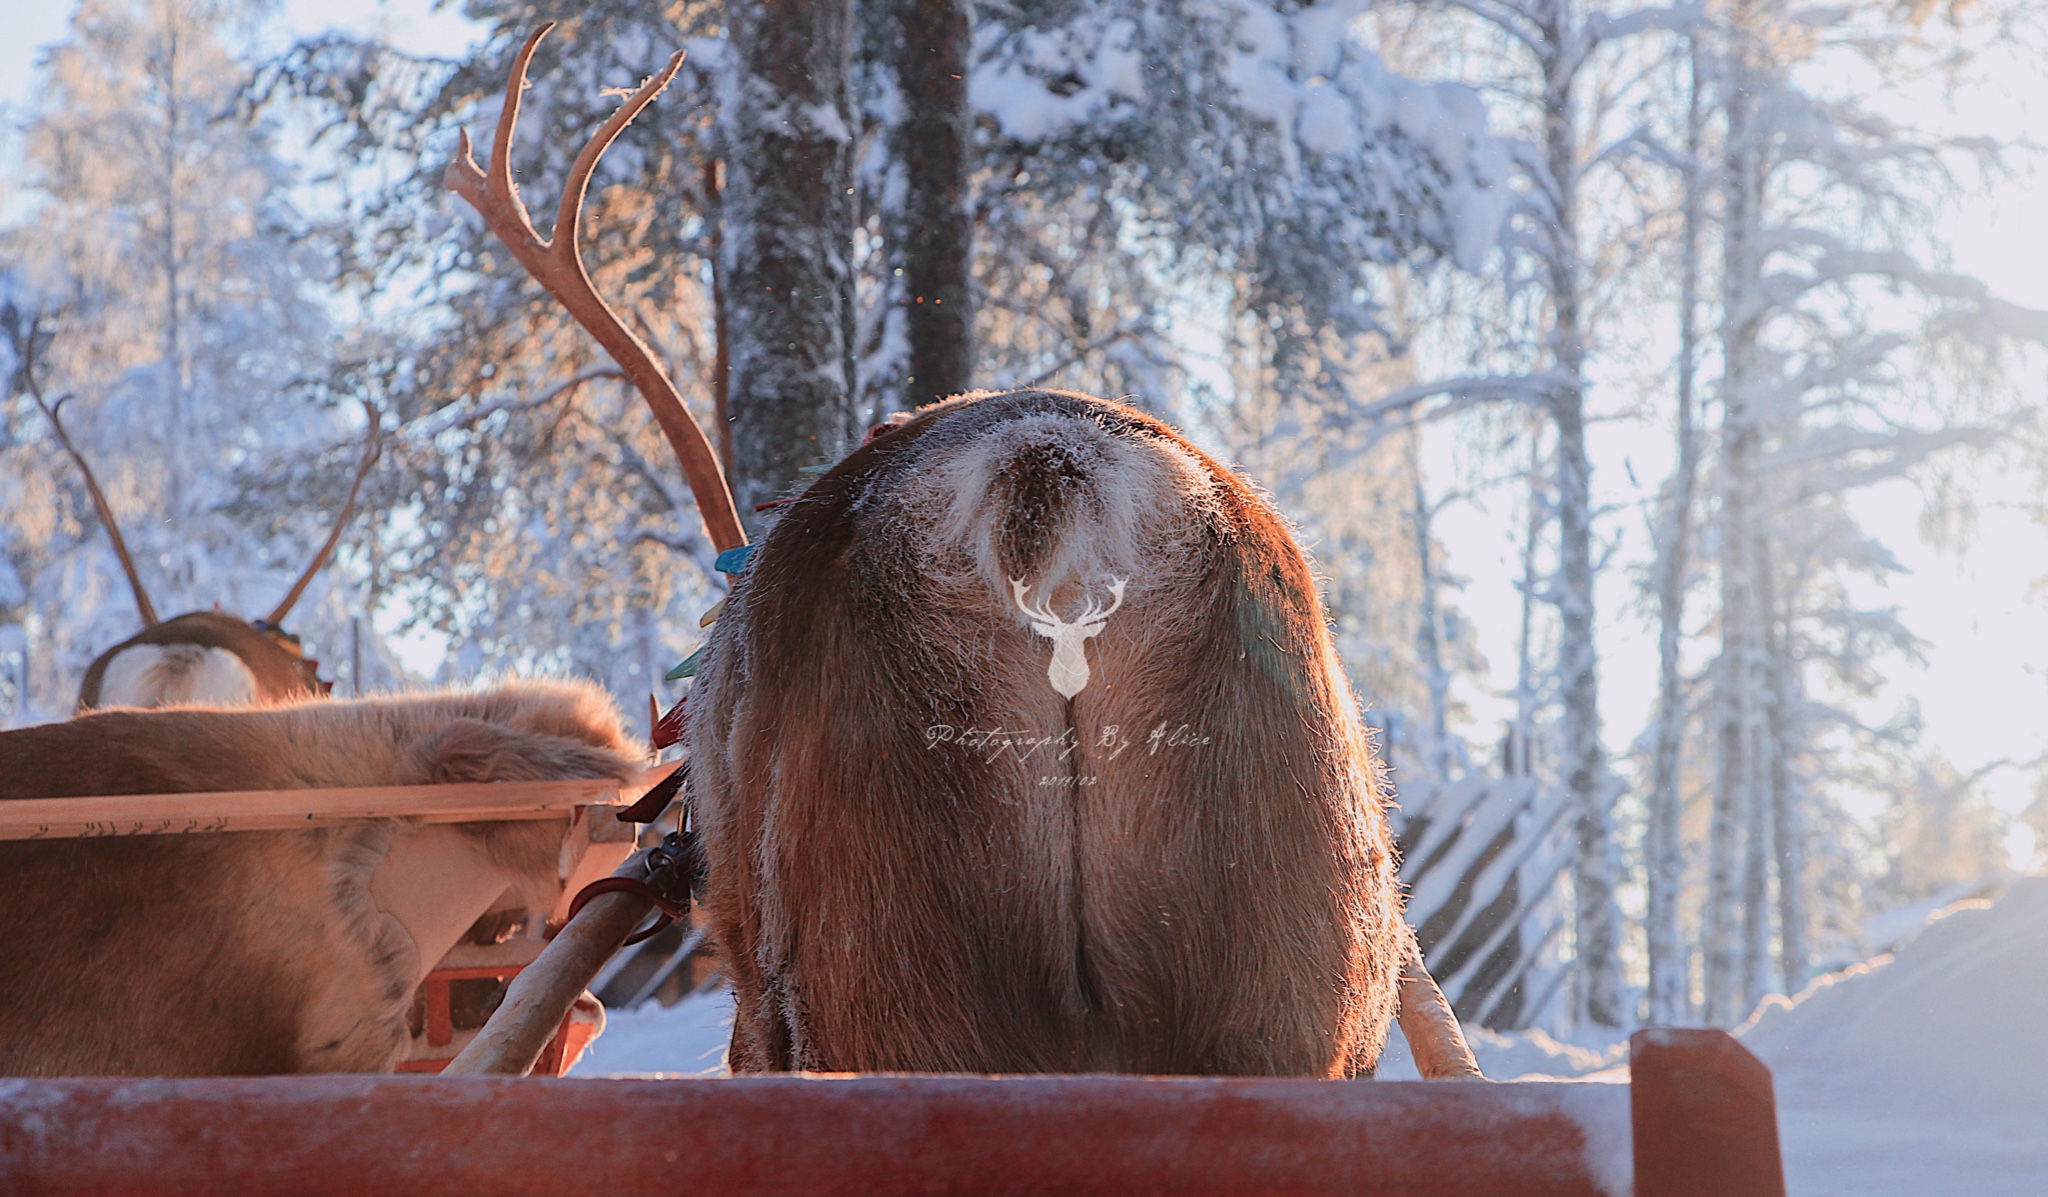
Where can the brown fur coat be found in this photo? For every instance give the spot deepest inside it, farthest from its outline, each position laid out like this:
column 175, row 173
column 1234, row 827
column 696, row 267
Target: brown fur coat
column 266, row 952
column 924, row 857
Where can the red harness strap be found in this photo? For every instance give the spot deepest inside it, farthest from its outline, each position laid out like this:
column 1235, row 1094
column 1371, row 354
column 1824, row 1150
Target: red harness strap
column 673, row 869
column 667, row 911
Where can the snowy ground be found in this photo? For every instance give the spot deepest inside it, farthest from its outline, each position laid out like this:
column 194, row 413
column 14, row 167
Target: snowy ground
column 687, row 1039
column 1925, row 1074
column 1919, row 1074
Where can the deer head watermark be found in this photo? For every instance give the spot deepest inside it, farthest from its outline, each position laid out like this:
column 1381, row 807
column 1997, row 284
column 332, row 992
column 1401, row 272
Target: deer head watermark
column 1068, row 672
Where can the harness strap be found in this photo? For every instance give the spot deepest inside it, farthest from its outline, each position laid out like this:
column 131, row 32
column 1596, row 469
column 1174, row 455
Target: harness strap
column 666, row 912
column 674, row 869
column 654, row 801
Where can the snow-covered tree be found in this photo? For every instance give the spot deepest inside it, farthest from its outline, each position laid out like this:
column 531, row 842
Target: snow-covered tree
column 157, row 253
column 1669, row 997
column 787, row 135
column 919, row 340
column 1833, row 329
column 537, row 517
column 1303, row 167
column 1561, row 61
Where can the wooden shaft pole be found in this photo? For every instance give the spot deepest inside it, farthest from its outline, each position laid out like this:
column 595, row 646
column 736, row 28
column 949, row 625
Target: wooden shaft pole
column 542, row 993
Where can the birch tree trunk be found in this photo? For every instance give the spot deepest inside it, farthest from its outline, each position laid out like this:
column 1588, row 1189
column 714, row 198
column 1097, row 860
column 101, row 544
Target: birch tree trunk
column 927, row 335
column 1670, row 998
column 1757, row 743
column 721, row 345
column 1737, row 705
column 1597, row 920
column 1520, row 755
column 169, row 85
column 786, row 241
column 1790, row 857
column 1430, row 641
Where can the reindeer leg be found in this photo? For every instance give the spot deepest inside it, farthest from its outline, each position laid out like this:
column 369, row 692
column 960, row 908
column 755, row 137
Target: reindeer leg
column 1429, row 1024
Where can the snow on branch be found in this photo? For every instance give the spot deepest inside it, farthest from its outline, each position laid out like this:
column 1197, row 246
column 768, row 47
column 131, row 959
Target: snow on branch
column 1400, row 160
column 1466, row 392
column 1833, row 460
column 1676, row 18
column 462, row 415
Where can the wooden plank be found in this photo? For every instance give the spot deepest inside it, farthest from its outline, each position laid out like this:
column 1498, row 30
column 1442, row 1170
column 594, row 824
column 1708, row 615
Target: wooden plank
column 1705, row 1117
column 284, row 810
column 517, row 952
column 803, row 1136
column 596, row 845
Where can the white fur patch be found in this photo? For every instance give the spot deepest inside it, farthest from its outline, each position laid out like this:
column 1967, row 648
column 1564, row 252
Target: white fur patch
column 1134, row 511
column 161, row 675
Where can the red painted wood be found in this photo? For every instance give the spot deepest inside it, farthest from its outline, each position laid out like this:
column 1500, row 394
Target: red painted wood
column 440, row 1019
column 1705, row 1117
column 566, row 1046
column 799, row 1135
column 490, row 972
column 440, row 1003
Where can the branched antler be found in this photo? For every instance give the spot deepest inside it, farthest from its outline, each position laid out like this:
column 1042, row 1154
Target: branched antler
column 1041, row 613
column 1096, row 612
column 51, row 412
column 558, row 266
column 373, row 448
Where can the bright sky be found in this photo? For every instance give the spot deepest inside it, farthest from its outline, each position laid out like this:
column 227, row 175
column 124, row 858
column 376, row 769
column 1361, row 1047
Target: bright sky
column 1984, row 690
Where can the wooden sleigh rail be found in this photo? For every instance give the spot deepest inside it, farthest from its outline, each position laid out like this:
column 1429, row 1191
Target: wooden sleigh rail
column 1697, row 1119
column 290, row 810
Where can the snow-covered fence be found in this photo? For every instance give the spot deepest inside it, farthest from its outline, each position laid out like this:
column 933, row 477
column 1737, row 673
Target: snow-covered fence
column 1481, row 857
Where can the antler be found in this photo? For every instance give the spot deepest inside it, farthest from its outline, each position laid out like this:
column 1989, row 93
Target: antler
column 1096, row 613
column 558, row 266
column 1043, row 613
column 373, row 448
column 92, row 485
column 1039, row 614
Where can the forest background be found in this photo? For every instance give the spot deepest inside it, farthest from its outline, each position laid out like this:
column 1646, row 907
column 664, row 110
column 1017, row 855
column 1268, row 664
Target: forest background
column 1658, row 389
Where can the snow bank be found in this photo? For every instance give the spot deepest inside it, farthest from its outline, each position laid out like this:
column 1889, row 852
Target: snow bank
column 1925, row 1073
column 1522, row 1056
column 1919, row 1074
column 689, row 1038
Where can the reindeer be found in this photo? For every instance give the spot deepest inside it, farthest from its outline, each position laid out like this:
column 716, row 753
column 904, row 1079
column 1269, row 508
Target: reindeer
column 1091, row 897
column 1041, row 895
column 200, row 656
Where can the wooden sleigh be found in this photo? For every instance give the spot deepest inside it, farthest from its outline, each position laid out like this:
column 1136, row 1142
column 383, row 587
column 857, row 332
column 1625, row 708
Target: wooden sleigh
column 1697, row 1117
column 462, row 989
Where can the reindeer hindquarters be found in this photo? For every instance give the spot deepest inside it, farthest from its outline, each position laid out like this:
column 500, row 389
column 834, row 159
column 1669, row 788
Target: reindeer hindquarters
column 888, row 902
column 1237, row 882
column 890, row 897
